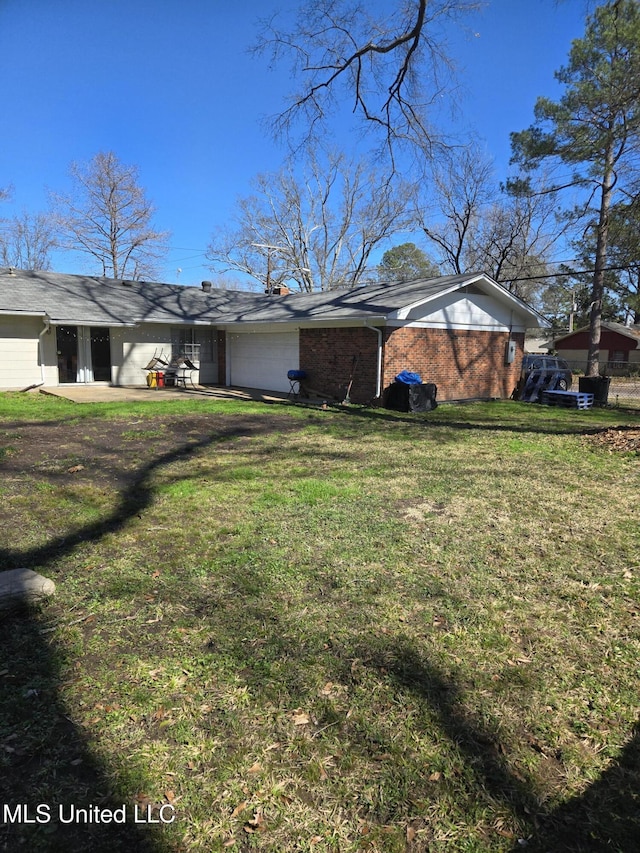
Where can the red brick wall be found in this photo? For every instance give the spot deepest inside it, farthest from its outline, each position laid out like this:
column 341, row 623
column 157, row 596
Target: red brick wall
column 327, row 356
column 463, row 364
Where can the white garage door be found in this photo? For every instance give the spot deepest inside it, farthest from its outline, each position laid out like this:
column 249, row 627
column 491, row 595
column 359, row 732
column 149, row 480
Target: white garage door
column 262, row 359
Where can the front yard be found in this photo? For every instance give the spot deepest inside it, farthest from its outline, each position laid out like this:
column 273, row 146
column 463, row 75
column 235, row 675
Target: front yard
column 285, row 628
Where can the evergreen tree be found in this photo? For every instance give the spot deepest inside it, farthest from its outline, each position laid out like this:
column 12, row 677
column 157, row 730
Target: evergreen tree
column 404, row 262
column 594, row 129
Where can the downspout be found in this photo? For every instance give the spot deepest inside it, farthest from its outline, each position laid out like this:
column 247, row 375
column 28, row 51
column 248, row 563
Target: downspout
column 47, row 328
column 378, row 332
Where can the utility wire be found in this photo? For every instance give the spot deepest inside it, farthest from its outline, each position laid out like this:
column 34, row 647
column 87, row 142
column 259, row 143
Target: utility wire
column 571, row 273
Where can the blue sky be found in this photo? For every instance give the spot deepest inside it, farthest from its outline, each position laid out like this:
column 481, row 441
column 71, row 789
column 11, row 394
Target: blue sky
column 169, row 85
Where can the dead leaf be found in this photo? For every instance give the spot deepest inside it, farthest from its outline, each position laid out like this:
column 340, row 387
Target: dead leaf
column 75, row 468
column 411, row 834
column 256, row 824
column 170, row 796
column 301, row 719
column 255, row 768
column 435, row 777
column 239, row 808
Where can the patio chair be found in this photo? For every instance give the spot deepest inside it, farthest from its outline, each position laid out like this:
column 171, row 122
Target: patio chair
column 180, row 371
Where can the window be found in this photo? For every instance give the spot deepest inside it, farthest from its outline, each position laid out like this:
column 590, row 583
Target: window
column 193, row 343
column 618, row 355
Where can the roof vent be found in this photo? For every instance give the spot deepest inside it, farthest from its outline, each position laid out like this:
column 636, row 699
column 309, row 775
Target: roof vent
column 206, row 286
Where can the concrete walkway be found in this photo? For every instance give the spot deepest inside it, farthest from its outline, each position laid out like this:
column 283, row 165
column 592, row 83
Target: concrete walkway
column 121, row 394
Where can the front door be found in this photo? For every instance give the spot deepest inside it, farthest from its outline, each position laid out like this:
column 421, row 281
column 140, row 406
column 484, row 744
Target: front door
column 84, row 354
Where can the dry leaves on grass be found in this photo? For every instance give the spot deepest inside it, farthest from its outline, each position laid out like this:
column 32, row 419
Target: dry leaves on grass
column 622, row 440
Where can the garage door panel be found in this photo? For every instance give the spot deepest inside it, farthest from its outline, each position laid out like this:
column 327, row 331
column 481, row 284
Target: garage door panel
column 262, row 359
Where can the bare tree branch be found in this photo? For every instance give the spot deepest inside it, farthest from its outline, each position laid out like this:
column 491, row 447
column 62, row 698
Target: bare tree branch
column 314, row 226
column 392, row 69
column 26, row 241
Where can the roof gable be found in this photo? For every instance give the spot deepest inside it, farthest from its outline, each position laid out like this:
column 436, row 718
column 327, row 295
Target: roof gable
column 632, row 332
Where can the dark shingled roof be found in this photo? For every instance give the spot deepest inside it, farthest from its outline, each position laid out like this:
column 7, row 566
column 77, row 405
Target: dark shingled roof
column 87, row 300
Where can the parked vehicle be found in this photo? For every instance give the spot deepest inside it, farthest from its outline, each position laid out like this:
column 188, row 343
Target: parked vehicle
column 542, row 373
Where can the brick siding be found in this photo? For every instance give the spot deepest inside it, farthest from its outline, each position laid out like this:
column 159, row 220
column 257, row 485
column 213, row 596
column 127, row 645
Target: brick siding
column 463, row 364
column 327, row 356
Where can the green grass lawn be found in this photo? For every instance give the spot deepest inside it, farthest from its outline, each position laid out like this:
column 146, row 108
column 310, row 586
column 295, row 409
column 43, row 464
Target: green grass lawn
column 284, row 628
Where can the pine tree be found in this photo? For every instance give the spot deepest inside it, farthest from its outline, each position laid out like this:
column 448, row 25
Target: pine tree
column 594, row 129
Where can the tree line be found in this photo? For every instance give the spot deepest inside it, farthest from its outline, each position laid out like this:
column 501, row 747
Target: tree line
column 317, row 222
column 105, row 216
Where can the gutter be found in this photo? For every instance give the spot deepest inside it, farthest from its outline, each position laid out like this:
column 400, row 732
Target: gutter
column 378, row 332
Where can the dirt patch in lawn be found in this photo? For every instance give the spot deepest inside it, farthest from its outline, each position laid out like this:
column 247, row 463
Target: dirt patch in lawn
column 115, row 451
column 623, row 439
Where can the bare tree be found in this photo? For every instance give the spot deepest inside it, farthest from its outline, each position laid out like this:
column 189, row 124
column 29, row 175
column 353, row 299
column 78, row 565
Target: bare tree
column 392, row 68
column 478, row 227
column 315, row 226
column 26, row 241
column 463, row 186
column 108, row 217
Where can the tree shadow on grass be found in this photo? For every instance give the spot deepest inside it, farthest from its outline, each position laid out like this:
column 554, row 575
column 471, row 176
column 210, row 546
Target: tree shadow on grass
column 605, row 817
column 46, row 761
column 525, row 419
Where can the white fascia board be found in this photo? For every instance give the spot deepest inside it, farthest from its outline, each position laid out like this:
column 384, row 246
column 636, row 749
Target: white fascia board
column 459, row 327
column 298, row 323
column 100, row 324
column 403, row 313
column 172, row 321
column 8, row 312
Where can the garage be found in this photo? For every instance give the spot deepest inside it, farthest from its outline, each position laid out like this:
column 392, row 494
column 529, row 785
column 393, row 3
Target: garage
column 262, row 359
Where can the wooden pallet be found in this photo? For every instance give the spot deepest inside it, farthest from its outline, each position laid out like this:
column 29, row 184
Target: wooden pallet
column 536, row 382
column 568, row 399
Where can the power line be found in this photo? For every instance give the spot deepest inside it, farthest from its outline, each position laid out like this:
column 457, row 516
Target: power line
column 569, row 274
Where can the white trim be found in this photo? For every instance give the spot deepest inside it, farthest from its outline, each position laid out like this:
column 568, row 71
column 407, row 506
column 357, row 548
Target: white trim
column 91, row 323
column 458, row 327
column 495, row 290
column 296, row 323
column 9, row 312
column 403, row 313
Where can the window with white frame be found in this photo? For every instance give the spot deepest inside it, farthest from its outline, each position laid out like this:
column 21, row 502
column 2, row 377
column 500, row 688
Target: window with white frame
column 193, row 343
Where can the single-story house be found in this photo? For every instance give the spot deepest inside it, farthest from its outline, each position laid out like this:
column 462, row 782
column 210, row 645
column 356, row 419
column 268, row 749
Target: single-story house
column 619, row 348
column 463, row 332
